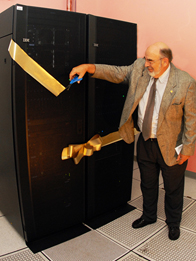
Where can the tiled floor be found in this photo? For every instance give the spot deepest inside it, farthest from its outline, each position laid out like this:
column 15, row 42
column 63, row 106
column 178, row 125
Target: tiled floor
column 117, row 240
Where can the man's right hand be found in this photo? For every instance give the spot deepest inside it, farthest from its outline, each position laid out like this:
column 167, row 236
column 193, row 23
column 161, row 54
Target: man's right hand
column 81, row 70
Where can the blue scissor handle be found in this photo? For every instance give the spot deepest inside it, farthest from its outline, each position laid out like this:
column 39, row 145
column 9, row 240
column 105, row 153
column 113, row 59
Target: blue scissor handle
column 75, row 79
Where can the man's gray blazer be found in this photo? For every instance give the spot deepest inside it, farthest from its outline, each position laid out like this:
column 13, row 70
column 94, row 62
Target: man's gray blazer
column 177, row 115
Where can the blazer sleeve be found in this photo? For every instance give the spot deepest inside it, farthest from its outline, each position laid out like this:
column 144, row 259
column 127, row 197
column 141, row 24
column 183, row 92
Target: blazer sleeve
column 111, row 73
column 189, row 132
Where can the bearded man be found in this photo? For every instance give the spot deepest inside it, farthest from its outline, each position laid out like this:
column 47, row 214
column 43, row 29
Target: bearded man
column 164, row 100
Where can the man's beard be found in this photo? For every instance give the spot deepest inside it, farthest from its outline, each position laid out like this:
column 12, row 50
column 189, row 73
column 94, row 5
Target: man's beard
column 153, row 74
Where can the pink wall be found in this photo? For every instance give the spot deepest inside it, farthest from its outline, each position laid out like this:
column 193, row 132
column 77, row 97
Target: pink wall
column 173, row 22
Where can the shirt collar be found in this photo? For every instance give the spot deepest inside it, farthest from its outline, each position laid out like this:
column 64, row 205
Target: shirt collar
column 164, row 77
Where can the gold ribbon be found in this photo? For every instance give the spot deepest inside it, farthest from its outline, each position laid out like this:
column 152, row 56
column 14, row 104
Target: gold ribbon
column 34, row 69
column 77, row 152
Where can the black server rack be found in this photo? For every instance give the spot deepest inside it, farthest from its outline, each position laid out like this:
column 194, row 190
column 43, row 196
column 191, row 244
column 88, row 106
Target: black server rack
column 109, row 172
column 45, row 193
column 36, row 125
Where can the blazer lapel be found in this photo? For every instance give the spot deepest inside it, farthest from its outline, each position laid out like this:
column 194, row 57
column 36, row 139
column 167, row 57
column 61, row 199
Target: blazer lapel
column 168, row 95
column 141, row 87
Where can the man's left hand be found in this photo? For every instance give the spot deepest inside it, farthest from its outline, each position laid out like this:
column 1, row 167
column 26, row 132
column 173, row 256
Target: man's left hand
column 182, row 158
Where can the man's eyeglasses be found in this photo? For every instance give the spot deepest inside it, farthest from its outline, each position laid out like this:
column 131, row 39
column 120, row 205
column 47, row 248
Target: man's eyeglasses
column 152, row 61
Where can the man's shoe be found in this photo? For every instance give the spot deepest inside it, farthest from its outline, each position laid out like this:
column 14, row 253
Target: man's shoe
column 174, row 232
column 141, row 223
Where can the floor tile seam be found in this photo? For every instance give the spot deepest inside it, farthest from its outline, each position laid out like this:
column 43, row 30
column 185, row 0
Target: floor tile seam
column 124, row 255
column 161, row 189
column 94, row 229
column 191, row 199
column 46, row 256
column 140, row 255
column 136, row 245
column 158, row 217
column 14, row 252
column 154, row 236
column 130, row 201
column 149, row 237
column 158, row 231
column 18, row 252
column 161, row 219
column 112, row 239
column 88, row 226
column 131, row 252
column 188, row 229
column 137, row 179
column 42, row 254
column 145, row 257
column 187, row 208
column 189, row 205
column 140, row 210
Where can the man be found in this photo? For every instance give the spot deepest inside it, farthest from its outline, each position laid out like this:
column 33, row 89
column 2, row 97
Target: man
column 172, row 123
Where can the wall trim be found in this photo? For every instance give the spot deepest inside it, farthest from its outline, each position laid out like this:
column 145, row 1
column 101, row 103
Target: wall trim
column 190, row 174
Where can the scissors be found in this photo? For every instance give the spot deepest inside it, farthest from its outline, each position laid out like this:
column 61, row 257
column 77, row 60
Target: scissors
column 75, row 79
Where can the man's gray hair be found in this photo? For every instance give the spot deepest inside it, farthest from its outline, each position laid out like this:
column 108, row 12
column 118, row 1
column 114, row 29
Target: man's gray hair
column 167, row 53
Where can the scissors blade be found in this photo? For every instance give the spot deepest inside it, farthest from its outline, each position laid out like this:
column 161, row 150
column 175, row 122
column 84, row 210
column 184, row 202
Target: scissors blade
column 75, row 79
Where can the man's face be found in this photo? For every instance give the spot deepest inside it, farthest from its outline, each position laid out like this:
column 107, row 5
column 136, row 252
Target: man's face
column 154, row 63
column 154, row 68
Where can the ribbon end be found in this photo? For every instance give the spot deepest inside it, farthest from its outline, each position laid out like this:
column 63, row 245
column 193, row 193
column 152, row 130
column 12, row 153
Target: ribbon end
column 34, row 69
